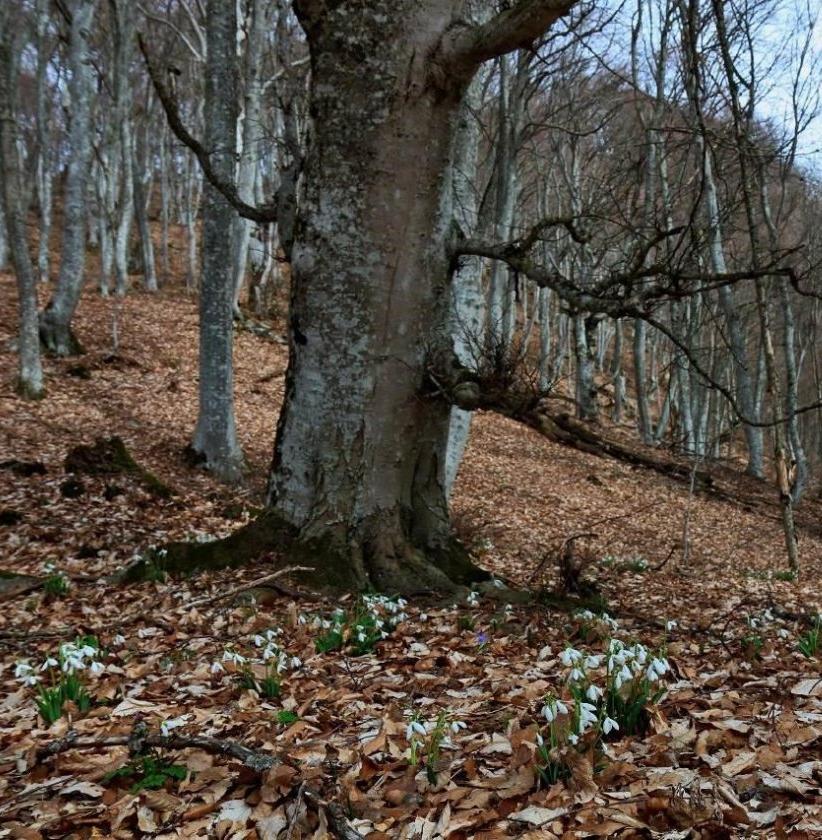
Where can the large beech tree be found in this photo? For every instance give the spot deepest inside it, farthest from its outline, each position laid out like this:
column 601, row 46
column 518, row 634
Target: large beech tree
column 358, row 476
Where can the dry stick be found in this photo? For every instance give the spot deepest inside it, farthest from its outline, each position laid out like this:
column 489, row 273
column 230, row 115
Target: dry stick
column 219, row 596
column 568, row 540
column 337, row 822
column 257, row 761
column 137, row 742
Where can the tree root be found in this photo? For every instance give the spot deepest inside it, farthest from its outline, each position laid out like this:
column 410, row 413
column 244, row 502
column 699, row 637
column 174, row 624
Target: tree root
column 332, row 562
column 110, row 456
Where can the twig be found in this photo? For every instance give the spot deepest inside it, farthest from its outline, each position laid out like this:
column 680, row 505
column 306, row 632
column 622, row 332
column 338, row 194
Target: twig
column 560, row 552
column 228, row 593
column 337, row 822
column 137, row 742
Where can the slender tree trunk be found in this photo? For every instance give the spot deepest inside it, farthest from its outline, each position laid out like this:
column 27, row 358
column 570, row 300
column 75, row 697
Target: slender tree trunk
column 43, row 138
column 55, row 321
column 252, row 135
column 30, row 380
column 468, row 304
column 215, row 437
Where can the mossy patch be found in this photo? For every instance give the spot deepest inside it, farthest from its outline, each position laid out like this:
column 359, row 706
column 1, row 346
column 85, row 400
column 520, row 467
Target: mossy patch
column 110, row 456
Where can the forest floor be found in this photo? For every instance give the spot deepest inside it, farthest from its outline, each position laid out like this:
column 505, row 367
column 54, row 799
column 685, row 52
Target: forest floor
column 731, row 750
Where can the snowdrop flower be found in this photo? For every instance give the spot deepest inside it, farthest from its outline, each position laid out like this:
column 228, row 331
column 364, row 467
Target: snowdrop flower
column 587, row 715
column 549, row 713
column 577, row 675
column 119, row 640
column 570, row 657
column 25, row 674
column 217, row 668
column 660, row 666
column 259, row 641
column 50, row 662
column 540, row 740
column 97, row 667
column 472, row 600
column 457, row 725
column 498, row 583
column 414, row 728
column 671, row 625
column 234, row 656
column 172, row 723
column 782, row 633
column 296, row 662
column 609, row 724
column 651, row 674
column 573, row 739
column 423, row 616
column 593, row 693
column 301, row 619
column 592, row 662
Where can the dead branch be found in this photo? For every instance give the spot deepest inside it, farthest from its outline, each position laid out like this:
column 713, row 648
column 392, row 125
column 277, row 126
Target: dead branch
column 138, row 742
column 252, row 584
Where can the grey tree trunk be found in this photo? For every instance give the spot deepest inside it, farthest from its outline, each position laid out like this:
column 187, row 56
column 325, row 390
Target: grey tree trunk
column 141, row 173
column 43, row 138
column 359, row 460
column 30, row 380
column 730, row 310
column 4, row 240
column 468, row 302
column 55, row 321
column 215, row 436
column 252, row 134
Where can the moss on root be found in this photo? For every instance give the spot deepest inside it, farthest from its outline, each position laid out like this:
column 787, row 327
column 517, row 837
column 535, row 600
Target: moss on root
column 337, row 565
column 110, row 456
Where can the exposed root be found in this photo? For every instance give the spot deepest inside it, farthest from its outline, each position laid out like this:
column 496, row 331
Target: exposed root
column 388, row 563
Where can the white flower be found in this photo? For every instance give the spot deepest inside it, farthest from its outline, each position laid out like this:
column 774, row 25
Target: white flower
column 22, row 669
column 660, row 666
column 119, row 640
column 562, row 709
column 609, row 724
column 216, row 668
column 577, row 675
column 671, row 625
column 592, row 662
column 498, row 583
column 296, row 662
column 782, row 633
column 593, row 693
column 97, row 667
column 172, row 723
column 457, row 725
column 259, row 641
column 651, row 674
column 414, row 728
column 549, row 713
column 570, row 657
column 573, row 739
column 423, row 616
column 540, row 740
column 50, row 662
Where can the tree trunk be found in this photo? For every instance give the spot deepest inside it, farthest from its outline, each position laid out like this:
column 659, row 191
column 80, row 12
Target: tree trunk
column 468, row 303
column 215, row 437
column 55, row 321
column 359, row 464
column 30, row 382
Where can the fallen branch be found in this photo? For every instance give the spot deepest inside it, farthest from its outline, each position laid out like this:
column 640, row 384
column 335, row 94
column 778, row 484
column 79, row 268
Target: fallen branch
column 252, row 584
column 337, row 822
column 138, row 741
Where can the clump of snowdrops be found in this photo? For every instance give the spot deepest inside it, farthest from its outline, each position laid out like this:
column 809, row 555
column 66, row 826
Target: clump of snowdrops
column 63, row 677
